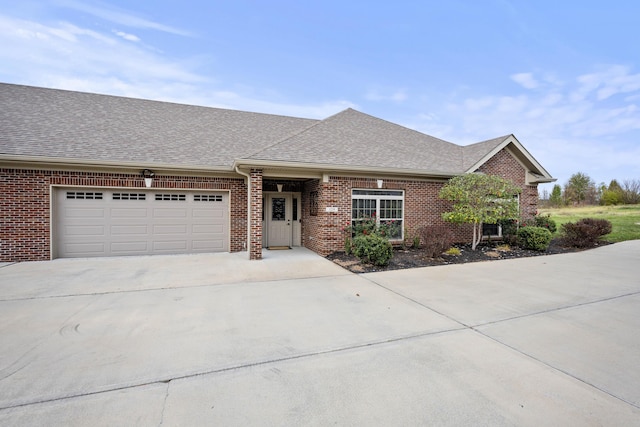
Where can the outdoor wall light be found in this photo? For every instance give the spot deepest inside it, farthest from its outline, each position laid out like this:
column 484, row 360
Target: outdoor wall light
column 148, row 177
column 380, row 183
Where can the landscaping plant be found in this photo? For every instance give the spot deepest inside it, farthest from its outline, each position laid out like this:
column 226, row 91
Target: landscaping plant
column 373, row 249
column 480, row 199
column 435, row 239
column 585, row 233
column 545, row 221
column 534, row 238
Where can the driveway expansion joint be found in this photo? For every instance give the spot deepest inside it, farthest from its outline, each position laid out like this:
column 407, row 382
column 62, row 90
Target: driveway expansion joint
column 168, row 381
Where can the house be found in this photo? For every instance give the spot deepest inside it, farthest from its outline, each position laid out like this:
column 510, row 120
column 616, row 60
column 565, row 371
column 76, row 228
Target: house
column 86, row 175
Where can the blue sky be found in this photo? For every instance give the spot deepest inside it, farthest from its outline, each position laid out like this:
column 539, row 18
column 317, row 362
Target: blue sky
column 563, row 76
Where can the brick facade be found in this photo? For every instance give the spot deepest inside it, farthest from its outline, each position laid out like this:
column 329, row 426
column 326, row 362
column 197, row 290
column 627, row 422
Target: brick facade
column 255, row 240
column 504, row 164
column 25, row 205
column 323, row 233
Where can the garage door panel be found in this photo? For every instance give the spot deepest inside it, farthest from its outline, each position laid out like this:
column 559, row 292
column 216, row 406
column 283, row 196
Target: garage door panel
column 85, row 230
column 127, row 230
column 170, row 246
column 84, row 212
column 207, row 245
column 85, row 249
column 207, row 228
column 129, row 213
column 162, row 229
column 209, row 213
column 129, row 247
column 170, row 213
column 115, row 222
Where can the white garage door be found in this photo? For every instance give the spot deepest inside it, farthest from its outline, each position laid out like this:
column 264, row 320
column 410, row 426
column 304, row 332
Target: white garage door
column 98, row 222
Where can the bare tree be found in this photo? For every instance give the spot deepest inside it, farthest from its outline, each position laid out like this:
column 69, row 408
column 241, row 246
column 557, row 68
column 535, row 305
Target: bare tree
column 631, row 191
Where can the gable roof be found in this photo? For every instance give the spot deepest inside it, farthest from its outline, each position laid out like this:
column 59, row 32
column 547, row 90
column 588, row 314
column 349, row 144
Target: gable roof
column 58, row 126
column 354, row 139
column 51, row 123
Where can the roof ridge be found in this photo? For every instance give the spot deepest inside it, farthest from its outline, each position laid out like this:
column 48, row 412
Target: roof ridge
column 131, row 98
column 283, row 140
column 403, row 127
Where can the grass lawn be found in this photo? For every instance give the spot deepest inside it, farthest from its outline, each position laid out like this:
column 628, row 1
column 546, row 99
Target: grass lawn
column 625, row 219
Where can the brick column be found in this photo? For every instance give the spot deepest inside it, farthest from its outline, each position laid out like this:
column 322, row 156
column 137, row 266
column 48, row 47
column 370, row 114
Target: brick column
column 255, row 219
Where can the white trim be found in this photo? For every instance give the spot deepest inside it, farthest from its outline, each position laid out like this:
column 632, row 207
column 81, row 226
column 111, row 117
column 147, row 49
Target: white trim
column 512, row 140
column 378, row 198
column 58, row 187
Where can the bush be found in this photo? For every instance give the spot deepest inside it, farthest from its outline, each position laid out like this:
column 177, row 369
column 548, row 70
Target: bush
column 535, row 238
column 453, row 251
column 509, row 230
column 585, row 233
column 435, row 239
column 373, row 249
column 545, row 221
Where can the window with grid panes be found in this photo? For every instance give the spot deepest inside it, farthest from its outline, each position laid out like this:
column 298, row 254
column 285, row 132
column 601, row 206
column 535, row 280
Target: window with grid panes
column 386, row 207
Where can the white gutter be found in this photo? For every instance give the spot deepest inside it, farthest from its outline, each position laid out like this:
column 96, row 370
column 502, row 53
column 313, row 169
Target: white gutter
column 248, row 176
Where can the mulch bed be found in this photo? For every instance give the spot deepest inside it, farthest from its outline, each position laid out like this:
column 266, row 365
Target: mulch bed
column 413, row 258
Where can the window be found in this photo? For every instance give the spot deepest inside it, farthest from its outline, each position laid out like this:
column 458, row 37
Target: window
column 129, row 196
column 386, row 207
column 84, row 195
column 294, row 207
column 207, row 198
column 172, row 197
column 495, row 230
column 313, row 203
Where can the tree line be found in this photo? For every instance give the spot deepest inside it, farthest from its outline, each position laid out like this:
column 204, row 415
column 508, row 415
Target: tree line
column 580, row 189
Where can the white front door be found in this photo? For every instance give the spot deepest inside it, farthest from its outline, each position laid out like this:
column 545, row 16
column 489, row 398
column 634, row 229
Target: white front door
column 279, row 219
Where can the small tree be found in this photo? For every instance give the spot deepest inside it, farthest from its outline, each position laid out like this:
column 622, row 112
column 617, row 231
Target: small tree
column 612, row 195
column 555, row 199
column 480, row 199
column 580, row 189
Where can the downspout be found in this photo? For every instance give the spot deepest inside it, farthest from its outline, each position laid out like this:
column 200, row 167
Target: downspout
column 248, row 176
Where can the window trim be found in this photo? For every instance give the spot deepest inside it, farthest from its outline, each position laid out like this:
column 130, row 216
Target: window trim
column 379, row 196
column 499, row 235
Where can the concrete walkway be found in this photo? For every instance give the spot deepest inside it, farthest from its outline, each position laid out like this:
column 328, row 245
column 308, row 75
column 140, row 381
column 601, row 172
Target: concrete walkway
column 295, row 340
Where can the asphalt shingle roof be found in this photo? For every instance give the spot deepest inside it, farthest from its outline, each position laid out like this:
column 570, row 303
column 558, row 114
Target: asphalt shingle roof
column 473, row 153
column 352, row 138
column 75, row 125
column 67, row 125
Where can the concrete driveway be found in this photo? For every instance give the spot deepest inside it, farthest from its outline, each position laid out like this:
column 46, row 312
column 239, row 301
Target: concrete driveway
column 296, row 340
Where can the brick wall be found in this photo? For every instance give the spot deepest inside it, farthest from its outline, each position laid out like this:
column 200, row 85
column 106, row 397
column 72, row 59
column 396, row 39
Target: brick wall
column 255, row 241
column 25, row 205
column 505, row 165
column 25, row 210
column 323, row 233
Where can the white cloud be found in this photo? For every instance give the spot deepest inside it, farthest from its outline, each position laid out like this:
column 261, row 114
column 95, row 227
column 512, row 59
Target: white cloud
column 127, row 36
column 121, row 17
column 526, row 80
column 65, row 56
column 580, row 125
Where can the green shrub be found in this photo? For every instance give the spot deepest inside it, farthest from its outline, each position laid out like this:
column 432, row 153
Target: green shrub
column 535, row 238
column 347, row 245
column 585, row 233
column 453, row 251
column 545, row 221
column 373, row 249
column 435, row 239
column 509, row 230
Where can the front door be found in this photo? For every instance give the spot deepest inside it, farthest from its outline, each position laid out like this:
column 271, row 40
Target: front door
column 279, row 220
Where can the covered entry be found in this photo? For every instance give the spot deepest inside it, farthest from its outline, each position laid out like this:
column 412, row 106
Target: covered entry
column 95, row 222
column 281, row 225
